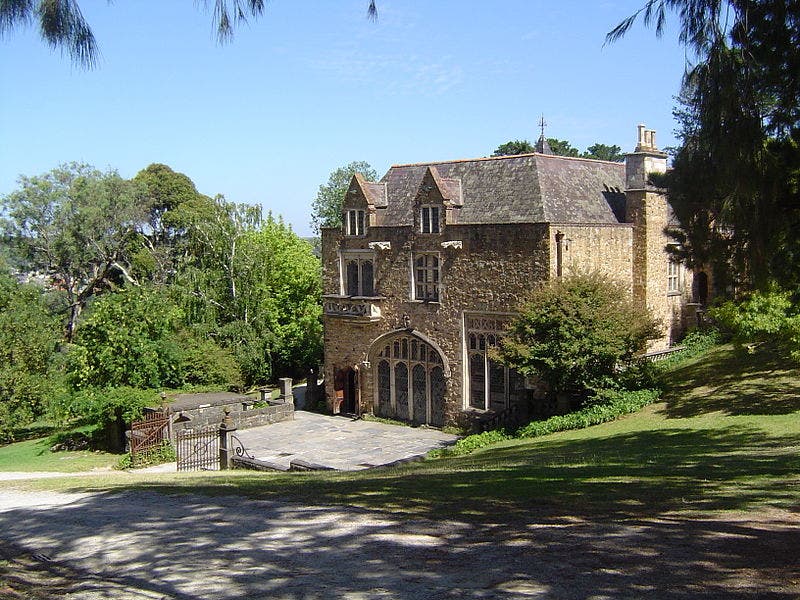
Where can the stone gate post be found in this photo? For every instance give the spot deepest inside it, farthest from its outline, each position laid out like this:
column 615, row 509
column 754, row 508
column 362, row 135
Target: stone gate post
column 226, row 428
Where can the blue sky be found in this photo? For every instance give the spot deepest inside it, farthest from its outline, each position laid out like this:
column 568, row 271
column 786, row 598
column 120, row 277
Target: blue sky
column 313, row 85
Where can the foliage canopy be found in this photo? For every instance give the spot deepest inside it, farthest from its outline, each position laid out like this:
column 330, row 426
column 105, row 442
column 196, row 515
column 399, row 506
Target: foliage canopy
column 574, row 333
column 326, row 209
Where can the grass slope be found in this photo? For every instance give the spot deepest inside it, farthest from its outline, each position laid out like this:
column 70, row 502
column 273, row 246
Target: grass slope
column 35, row 455
column 725, row 437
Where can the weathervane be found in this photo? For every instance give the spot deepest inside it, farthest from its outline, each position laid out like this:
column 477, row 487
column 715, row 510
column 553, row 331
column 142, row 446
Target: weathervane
column 542, row 124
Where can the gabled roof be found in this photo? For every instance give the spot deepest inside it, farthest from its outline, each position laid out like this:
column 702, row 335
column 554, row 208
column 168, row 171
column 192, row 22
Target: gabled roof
column 448, row 189
column 527, row 188
column 373, row 192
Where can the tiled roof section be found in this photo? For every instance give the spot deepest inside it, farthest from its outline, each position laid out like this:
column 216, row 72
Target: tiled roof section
column 375, row 193
column 450, row 189
column 527, row 188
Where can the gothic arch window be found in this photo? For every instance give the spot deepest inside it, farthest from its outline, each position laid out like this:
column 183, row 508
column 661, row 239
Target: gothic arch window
column 410, row 381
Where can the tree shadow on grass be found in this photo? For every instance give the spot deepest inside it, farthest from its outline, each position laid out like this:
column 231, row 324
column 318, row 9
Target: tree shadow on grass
column 734, row 382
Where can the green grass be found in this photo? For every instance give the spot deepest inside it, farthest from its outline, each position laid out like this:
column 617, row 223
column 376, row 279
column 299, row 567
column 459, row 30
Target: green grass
column 35, row 455
column 725, row 437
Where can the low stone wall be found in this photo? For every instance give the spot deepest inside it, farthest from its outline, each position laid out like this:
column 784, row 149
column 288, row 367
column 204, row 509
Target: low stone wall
column 264, row 416
column 243, row 416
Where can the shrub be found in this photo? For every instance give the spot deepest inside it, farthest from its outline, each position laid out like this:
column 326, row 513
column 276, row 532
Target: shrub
column 606, row 405
column 575, row 333
column 162, row 454
column 769, row 316
column 98, row 407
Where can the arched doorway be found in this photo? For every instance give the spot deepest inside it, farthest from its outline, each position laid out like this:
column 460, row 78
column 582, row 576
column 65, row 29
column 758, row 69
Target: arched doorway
column 409, row 377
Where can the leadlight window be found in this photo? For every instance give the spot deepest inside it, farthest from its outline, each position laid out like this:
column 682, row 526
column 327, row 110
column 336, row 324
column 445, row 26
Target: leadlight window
column 410, row 382
column 492, row 385
column 354, row 222
column 429, row 219
column 426, row 277
column 359, row 277
column 673, row 277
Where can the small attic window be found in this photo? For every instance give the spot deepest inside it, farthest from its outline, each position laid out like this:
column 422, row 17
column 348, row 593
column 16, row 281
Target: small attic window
column 429, row 219
column 354, row 222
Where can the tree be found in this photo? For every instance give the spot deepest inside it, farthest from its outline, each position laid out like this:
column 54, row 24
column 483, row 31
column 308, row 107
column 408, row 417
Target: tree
column 733, row 185
column 514, row 147
column 326, row 209
column 171, row 198
column 62, row 26
column 75, row 224
column 574, row 333
column 562, row 147
column 603, row 152
column 127, row 339
column 29, row 337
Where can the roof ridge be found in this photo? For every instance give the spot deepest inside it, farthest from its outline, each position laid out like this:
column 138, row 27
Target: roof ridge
column 504, row 157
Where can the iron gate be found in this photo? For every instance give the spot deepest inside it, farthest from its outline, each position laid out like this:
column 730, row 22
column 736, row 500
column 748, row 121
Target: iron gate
column 148, row 435
column 198, row 449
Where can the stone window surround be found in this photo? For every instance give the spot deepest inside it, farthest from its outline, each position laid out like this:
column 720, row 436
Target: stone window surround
column 435, row 272
column 430, row 218
column 674, row 278
column 404, row 341
column 362, row 256
column 355, row 222
column 491, row 330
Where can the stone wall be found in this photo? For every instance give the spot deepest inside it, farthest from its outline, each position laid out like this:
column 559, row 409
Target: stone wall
column 243, row 414
column 599, row 248
column 492, row 272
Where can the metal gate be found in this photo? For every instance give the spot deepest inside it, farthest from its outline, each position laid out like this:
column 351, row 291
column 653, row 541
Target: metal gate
column 148, row 436
column 198, row 449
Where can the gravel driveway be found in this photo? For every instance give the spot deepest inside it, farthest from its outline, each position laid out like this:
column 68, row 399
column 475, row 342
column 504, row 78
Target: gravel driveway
column 134, row 545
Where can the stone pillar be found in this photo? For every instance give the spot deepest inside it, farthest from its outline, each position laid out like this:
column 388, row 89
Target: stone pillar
column 226, row 428
column 265, row 393
column 286, row 395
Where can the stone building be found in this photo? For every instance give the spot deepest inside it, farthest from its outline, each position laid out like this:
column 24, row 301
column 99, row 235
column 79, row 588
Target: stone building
column 433, row 260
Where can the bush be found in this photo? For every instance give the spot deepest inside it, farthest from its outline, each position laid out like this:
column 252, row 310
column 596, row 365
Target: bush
column 98, row 407
column 606, row 405
column 576, row 333
column 770, row 316
column 205, row 363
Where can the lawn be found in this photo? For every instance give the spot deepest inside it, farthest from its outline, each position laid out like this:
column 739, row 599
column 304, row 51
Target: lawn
column 35, row 455
column 725, row 437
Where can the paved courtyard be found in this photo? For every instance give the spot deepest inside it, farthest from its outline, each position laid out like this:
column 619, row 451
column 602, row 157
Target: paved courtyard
column 339, row 442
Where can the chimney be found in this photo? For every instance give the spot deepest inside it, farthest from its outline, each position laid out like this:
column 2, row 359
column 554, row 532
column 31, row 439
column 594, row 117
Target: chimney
column 645, row 159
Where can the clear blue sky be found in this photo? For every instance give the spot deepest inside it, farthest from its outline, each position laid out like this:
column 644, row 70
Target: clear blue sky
column 313, row 85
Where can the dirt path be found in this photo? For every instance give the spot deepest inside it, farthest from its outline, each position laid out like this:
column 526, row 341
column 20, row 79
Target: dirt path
column 146, row 545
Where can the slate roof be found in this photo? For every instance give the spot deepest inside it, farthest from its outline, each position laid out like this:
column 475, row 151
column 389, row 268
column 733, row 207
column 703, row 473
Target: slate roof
column 527, row 188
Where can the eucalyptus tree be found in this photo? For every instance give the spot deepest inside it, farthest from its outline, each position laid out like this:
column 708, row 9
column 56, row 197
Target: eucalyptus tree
column 75, row 225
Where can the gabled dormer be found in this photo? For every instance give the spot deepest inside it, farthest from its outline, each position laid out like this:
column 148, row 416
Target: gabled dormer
column 361, row 202
column 436, row 199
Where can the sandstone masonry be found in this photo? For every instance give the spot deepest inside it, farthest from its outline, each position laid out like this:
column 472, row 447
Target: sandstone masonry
column 434, row 259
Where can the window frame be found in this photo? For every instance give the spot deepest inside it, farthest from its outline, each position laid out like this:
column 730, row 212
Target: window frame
column 430, row 219
column 355, row 222
column 361, row 258
column 432, row 278
column 674, row 278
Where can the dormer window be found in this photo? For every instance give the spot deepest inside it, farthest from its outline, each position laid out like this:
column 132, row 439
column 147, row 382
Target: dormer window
column 354, row 222
column 429, row 219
